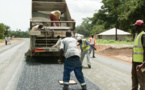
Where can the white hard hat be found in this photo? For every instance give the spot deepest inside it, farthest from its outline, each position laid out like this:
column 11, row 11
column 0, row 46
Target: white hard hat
column 78, row 38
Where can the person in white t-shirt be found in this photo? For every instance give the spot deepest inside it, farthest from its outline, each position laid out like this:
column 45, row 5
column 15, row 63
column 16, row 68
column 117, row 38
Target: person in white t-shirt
column 58, row 42
column 72, row 61
column 6, row 40
column 9, row 40
column 35, row 28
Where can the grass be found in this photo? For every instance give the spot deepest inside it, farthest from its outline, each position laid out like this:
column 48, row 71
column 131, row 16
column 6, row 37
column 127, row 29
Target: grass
column 1, row 40
column 101, row 41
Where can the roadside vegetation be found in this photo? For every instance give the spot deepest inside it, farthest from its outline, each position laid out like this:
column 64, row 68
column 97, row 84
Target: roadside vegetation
column 101, row 41
column 1, row 40
column 124, row 12
column 6, row 30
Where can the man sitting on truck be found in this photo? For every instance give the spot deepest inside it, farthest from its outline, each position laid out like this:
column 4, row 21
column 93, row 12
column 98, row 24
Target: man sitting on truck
column 35, row 28
column 55, row 16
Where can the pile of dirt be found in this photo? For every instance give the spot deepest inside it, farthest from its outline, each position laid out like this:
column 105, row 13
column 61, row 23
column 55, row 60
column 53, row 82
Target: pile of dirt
column 116, row 52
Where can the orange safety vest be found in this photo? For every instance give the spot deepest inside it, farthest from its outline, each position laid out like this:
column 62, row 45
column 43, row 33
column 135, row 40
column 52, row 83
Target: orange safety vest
column 91, row 40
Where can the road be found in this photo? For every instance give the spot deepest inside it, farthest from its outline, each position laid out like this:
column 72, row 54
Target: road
column 20, row 73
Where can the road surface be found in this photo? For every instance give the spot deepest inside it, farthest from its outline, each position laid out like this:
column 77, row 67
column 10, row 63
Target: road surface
column 20, row 73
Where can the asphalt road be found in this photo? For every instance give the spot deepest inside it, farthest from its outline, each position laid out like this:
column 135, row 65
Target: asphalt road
column 20, row 73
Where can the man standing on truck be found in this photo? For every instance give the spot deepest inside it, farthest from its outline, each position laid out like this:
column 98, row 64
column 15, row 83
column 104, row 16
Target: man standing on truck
column 72, row 61
column 92, row 41
column 85, row 50
column 55, row 16
column 138, row 62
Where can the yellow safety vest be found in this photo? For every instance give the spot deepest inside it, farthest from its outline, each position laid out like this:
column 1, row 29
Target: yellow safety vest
column 85, row 47
column 138, row 51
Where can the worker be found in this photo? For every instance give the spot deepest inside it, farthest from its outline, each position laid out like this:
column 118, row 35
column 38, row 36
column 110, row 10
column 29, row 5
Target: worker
column 6, row 40
column 35, row 28
column 72, row 61
column 58, row 42
column 138, row 60
column 92, row 41
column 85, row 50
column 55, row 16
column 9, row 40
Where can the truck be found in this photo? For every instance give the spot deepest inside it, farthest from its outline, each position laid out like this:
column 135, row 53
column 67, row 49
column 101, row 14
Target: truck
column 41, row 41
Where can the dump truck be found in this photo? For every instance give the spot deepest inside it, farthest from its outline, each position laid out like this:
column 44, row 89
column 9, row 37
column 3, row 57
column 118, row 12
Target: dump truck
column 41, row 41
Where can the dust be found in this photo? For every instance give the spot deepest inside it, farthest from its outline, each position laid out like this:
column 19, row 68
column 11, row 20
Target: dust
column 116, row 52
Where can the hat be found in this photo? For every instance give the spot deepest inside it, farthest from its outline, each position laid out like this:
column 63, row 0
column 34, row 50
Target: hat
column 139, row 22
column 78, row 38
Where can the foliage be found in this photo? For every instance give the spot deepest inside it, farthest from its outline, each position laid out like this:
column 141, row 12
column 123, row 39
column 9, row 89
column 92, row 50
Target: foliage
column 1, row 40
column 5, row 30
column 101, row 41
column 19, row 34
column 124, row 13
column 2, row 30
column 97, row 29
column 85, row 27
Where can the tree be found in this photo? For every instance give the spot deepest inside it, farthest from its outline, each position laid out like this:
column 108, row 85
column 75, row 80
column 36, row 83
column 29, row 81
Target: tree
column 2, row 30
column 85, row 28
column 128, row 11
column 97, row 29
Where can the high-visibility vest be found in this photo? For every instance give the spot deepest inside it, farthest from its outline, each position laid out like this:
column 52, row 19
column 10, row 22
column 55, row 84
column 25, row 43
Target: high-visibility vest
column 138, row 51
column 91, row 40
column 85, row 47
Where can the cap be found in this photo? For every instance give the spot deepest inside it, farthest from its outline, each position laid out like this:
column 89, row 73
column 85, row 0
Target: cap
column 78, row 38
column 139, row 22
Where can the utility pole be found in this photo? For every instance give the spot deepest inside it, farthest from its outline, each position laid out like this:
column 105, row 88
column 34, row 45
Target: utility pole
column 116, row 16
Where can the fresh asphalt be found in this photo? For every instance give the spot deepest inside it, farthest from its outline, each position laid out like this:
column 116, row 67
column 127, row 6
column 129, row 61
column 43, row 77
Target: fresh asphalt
column 20, row 73
column 44, row 73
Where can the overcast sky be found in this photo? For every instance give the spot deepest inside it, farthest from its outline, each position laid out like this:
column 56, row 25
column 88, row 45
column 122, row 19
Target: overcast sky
column 17, row 13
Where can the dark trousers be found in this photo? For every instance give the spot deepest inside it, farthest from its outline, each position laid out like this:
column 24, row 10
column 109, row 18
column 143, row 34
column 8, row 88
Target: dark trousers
column 5, row 42
column 92, row 49
column 73, row 64
column 137, row 77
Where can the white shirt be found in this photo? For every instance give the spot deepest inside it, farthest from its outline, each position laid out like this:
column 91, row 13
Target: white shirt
column 6, row 38
column 69, row 45
column 58, row 43
column 9, row 38
column 92, row 41
column 35, row 28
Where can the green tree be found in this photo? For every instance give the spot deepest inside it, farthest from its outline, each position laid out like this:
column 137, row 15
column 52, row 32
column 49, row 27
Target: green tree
column 2, row 30
column 85, row 28
column 97, row 29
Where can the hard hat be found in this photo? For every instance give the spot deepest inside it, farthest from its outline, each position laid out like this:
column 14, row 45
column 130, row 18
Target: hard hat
column 78, row 38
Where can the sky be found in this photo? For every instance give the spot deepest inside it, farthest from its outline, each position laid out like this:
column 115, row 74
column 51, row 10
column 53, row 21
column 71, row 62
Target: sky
column 17, row 13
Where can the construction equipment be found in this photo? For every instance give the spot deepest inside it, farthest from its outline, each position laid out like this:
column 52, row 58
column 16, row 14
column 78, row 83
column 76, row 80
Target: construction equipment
column 41, row 42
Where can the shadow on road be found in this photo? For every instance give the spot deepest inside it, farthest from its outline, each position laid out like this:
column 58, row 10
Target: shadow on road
column 41, row 60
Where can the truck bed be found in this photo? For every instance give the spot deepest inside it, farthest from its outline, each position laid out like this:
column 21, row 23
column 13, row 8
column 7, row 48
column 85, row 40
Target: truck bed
column 41, row 42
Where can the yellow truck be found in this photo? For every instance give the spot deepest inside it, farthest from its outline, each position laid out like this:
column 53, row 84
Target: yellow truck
column 41, row 41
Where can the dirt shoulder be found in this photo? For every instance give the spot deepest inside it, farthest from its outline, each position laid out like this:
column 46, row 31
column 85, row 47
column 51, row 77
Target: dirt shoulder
column 117, row 52
column 2, row 43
